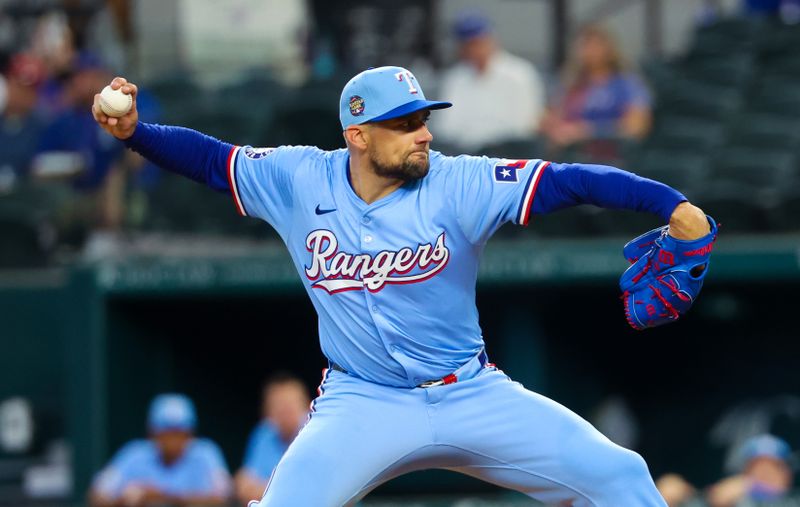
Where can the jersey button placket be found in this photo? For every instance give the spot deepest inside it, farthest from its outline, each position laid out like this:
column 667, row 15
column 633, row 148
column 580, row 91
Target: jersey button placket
column 367, row 246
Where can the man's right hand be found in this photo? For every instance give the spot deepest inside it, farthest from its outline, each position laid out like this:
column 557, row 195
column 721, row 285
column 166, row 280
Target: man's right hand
column 122, row 127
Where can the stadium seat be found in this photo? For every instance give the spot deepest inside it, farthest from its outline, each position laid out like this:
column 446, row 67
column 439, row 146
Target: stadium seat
column 733, row 205
column 25, row 243
column 176, row 95
column 171, row 87
column 731, row 70
column 625, row 222
column 256, row 93
column 236, row 125
column 181, row 206
column 701, row 100
column 682, row 170
column 779, row 95
column 784, row 216
column 660, row 73
column 726, row 36
column 513, row 148
column 760, row 169
column 780, row 40
column 766, row 131
column 786, row 64
column 608, row 151
column 570, row 222
column 686, row 133
column 305, row 125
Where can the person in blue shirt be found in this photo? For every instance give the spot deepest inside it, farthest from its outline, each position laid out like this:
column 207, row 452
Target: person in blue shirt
column 72, row 148
column 600, row 98
column 20, row 125
column 284, row 410
column 172, row 467
column 764, row 464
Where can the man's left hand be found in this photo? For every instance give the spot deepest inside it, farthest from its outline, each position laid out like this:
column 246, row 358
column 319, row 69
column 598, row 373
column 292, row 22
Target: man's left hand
column 688, row 222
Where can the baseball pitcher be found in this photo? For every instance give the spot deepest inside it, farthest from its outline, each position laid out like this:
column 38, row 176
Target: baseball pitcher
column 386, row 236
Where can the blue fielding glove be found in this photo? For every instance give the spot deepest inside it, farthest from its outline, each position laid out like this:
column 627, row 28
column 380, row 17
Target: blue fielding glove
column 665, row 277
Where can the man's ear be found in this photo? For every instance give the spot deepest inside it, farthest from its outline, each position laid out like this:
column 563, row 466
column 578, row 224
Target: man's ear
column 357, row 136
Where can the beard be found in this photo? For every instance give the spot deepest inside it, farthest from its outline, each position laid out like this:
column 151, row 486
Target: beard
column 411, row 169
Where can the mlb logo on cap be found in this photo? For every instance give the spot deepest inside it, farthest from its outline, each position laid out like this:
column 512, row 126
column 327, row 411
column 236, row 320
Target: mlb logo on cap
column 382, row 93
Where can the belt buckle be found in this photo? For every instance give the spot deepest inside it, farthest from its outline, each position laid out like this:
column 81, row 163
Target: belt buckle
column 431, row 383
column 448, row 379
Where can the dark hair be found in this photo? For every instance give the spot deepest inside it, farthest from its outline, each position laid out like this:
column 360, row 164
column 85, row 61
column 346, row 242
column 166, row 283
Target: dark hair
column 281, row 377
column 574, row 74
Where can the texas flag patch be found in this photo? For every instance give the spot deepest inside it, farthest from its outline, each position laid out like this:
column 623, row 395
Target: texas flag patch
column 505, row 171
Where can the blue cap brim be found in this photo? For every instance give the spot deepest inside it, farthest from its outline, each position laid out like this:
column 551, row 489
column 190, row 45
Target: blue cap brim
column 411, row 107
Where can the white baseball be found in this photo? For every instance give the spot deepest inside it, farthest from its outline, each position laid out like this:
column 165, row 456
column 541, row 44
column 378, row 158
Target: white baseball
column 114, row 103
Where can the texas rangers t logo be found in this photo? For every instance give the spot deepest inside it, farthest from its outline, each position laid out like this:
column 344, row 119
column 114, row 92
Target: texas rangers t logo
column 336, row 271
column 408, row 78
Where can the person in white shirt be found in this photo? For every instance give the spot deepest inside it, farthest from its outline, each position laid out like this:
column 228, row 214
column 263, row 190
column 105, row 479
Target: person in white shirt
column 504, row 93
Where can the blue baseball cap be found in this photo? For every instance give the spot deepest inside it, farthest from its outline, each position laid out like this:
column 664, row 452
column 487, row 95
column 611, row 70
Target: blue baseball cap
column 764, row 446
column 171, row 412
column 382, row 93
column 470, row 24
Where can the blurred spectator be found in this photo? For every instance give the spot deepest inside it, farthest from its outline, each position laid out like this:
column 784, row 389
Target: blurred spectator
column 3, row 92
column 599, row 98
column 615, row 419
column 53, row 42
column 220, row 40
column 73, row 147
column 284, row 410
column 497, row 95
column 20, row 126
column 172, row 467
column 765, row 464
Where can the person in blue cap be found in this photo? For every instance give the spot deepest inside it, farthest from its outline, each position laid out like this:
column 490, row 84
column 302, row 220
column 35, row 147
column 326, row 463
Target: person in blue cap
column 386, row 235
column 171, row 467
column 764, row 465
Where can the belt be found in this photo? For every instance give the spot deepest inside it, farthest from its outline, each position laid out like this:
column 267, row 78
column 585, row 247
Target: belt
column 467, row 370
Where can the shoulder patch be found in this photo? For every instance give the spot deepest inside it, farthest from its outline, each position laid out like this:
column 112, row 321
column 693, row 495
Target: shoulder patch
column 505, row 170
column 257, row 153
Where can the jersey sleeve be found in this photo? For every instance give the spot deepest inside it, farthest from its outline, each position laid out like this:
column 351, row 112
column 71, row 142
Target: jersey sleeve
column 252, row 450
column 218, row 479
column 262, row 455
column 490, row 192
column 262, row 180
column 111, row 480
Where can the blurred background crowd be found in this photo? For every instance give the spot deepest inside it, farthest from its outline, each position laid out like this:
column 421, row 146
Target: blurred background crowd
column 701, row 94
column 717, row 110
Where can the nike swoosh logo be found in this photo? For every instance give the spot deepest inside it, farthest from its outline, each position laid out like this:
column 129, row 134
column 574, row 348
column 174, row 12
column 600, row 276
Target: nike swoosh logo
column 323, row 211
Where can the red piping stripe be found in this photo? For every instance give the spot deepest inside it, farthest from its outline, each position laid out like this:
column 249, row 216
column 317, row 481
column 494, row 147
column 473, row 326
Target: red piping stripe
column 536, row 180
column 232, row 182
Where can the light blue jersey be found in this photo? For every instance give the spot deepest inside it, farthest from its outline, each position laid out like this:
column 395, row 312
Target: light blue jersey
column 201, row 471
column 393, row 282
column 264, row 450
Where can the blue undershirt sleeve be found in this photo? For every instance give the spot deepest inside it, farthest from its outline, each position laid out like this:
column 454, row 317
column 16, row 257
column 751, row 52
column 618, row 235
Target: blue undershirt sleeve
column 564, row 185
column 184, row 151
